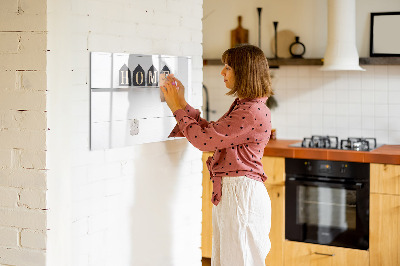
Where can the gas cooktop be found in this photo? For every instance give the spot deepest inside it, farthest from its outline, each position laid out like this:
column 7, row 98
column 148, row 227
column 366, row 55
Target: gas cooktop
column 332, row 142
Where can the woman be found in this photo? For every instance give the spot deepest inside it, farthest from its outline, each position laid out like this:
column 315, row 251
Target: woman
column 242, row 208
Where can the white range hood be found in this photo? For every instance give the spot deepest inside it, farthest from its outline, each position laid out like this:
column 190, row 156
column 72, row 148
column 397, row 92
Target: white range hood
column 341, row 51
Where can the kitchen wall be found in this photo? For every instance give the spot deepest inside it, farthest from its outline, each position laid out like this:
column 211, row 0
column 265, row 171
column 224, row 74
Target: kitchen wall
column 139, row 205
column 60, row 203
column 342, row 103
column 23, row 125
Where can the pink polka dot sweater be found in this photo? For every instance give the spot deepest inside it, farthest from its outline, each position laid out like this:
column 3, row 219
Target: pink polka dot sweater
column 238, row 139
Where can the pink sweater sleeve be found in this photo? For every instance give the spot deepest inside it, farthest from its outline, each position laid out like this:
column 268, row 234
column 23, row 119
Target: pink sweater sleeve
column 234, row 129
column 193, row 113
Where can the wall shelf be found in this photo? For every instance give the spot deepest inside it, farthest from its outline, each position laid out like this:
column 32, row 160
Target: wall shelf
column 274, row 63
column 380, row 61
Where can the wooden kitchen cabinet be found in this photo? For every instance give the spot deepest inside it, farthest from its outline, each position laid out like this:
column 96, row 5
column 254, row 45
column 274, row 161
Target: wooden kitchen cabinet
column 385, row 178
column 274, row 168
column 385, row 215
column 277, row 233
column 305, row 254
column 206, row 225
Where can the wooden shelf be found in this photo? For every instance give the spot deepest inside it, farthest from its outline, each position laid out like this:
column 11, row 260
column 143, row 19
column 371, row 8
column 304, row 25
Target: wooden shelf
column 273, row 63
column 380, row 61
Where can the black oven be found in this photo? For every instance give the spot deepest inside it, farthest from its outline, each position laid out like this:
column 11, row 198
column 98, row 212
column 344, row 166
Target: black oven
column 327, row 202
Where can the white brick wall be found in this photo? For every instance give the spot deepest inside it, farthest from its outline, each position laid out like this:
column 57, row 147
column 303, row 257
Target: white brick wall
column 111, row 207
column 23, row 132
column 129, row 206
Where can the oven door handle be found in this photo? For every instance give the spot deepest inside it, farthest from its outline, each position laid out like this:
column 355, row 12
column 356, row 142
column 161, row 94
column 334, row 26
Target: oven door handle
column 357, row 185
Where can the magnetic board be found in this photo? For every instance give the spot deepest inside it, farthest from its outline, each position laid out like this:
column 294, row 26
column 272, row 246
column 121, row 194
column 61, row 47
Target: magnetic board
column 126, row 104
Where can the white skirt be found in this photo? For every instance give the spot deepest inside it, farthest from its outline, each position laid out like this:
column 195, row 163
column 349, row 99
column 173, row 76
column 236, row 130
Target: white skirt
column 241, row 223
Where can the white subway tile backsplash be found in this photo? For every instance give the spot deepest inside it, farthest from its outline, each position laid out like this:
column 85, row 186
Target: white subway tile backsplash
column 354, row 80
column 394, row 71
column 342, row 122
column 355, row 103
column 292, row 82
column 355, row 122
column 291, row 71
column 382, row 136
column 368, row 122
column 304, row 82
column 342, row 109
column 381, row 97
column 382, row 123
column 367, row 110
column 381, row 84
column 367, row 96
column 355, row 109
column 304, row 72
column 355, row 132
column 355, row 96
column 394, row 110
column 329, row 109
column 342, row 96
column 394, row 97
column 394, row 137
column 380, row 71
column 316, row 82
column 394, row 82
column 367, row 133
column 342, row 81
column 329, row 94
column 381, row 110
column 394, row 123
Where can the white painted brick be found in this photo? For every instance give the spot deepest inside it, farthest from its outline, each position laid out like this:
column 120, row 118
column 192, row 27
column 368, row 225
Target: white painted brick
column 20, row 217
column 31, row 80
column 33, row 199
column 16, row 139
column 7, row 79
column 23, row 178
column 5, row 158
column 31, row 53
column 98, row 222
column 8, row 197
column 23, row 100
column 97, row 172
column 35, row 120
column 33, row 239
column 23, row 61
column 8, row 237
column 190, row 22
column 9, row 42
column 104, row 42
column 132, row 44
column 8, row 6
column 17, row 256
column 22, row 22
column 31, row 159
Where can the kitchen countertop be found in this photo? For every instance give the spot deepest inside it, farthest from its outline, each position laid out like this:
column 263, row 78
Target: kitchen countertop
column 389, row 154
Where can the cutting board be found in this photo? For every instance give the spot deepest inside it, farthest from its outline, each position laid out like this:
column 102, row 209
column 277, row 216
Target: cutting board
column 239, row 35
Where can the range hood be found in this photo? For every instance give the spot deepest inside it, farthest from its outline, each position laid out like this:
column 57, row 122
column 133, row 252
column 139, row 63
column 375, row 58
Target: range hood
column 341, row 51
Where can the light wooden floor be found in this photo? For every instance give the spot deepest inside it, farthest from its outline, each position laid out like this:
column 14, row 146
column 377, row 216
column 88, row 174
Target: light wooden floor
column 206, row 261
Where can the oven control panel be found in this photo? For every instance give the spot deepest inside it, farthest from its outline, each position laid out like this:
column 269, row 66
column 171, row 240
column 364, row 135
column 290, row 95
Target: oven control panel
column 336, row 169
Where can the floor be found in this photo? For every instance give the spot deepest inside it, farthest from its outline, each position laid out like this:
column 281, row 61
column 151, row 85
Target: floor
column 206, row 261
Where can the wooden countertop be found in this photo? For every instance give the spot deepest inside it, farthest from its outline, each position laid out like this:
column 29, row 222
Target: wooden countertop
column 389, row 154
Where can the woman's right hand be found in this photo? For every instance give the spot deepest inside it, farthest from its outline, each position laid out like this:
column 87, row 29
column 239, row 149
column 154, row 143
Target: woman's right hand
column 181, row 90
